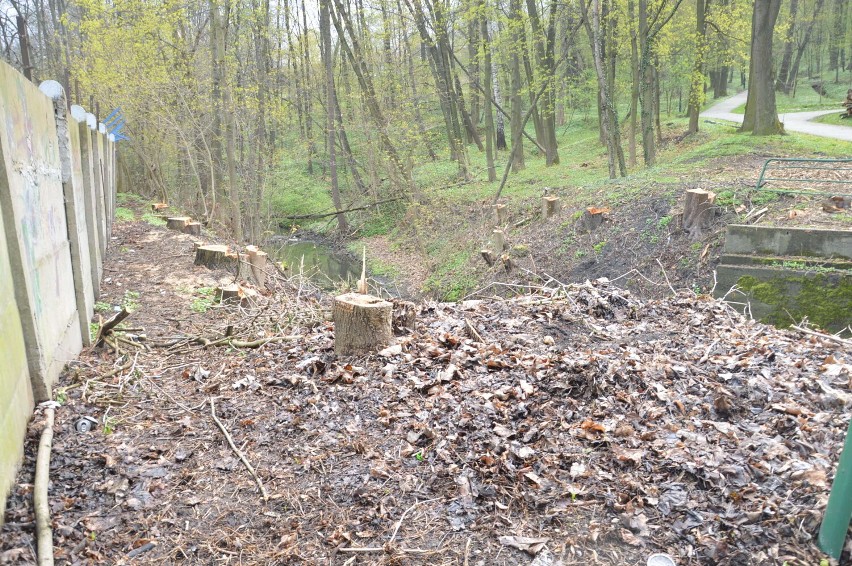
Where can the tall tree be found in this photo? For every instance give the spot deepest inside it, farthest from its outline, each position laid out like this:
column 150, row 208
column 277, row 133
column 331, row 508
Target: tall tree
column 761, row 114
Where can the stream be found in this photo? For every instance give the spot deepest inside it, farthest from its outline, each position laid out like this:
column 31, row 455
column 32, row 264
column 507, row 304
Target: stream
column 326, row 267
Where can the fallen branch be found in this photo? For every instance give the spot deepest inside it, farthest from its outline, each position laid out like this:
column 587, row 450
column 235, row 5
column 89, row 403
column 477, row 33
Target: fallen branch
column 107, row 327
column 831, row 337
column 44, row 533
column 237, row 451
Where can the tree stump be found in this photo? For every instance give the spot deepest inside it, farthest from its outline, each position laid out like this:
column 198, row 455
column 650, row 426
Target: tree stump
column 192, row 228
column 508, row 263
column 158, row 206
column 593, row 218
column 214, row 256
column 501, row 214
column 229, row 293
column 257, row 260
column 178, row 223
column 362, row 324
column 498, row 238
column 698, row 211
column 487, row 256
column 549, row 206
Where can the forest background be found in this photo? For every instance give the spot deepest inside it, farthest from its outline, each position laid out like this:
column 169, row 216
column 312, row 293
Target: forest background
column 258, row 115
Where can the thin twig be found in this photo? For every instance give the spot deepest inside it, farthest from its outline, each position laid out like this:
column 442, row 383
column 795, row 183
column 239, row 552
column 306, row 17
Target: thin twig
column 831, row 337
column 237, row 450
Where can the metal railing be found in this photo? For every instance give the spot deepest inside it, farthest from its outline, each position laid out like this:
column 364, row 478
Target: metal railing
column 829, row 173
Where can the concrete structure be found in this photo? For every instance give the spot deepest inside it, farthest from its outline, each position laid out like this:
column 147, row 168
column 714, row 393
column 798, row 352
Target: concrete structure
column 784, row 275
column 52, row 239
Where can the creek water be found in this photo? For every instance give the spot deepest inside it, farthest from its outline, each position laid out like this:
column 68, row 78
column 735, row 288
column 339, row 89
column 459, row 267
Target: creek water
column 325, row 266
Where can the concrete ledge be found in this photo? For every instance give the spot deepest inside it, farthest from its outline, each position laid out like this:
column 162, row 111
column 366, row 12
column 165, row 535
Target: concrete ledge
column 783, row 296
column 792, row 262
column 772, row 241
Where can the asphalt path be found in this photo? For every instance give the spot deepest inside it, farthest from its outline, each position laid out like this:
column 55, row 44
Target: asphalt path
column 793, row 121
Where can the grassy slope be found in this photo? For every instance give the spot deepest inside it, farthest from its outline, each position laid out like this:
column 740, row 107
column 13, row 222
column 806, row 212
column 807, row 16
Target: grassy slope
column 447, row 234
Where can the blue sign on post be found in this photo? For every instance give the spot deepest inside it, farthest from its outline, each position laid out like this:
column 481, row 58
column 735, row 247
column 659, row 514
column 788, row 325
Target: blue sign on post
column 114, row 123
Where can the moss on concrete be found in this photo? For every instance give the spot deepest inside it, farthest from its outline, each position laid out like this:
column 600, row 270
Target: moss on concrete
column 824, row 299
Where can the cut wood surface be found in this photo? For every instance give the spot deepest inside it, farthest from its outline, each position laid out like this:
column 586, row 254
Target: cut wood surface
column 501, row 214
column 549, row 206
column 214, row 256
column 178, row 223
column 192, row 228
column 257, row 260
column 498, row 241
column 593, row 217
column 158, row 206
column 362, row 324
column 698, row 211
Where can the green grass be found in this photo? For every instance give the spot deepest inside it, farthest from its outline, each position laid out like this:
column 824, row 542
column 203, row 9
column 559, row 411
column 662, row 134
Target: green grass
column 835, row 120
column 153, row 220
column 806, row 98
column 123, row 214
column 130, row 199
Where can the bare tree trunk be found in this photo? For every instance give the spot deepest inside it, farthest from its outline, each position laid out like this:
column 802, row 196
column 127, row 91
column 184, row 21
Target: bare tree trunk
column 761, row 115
column 489, row 113
column 696, row 90
column 794, row 71
column 515, row 23
column 789, row 39
column 325, row 33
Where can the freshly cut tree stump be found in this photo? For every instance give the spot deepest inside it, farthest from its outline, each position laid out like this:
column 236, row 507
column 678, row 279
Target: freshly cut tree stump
column 158, row 206
column 257, row 261
column 698, row 211
column 178, row 223
column 487, row 256
column 362, row 324
column 501, row 214
column 549, row 206
column 229, row 293
column 192, row 228
column 498, row 238
column 214, row 256
column 593, row 218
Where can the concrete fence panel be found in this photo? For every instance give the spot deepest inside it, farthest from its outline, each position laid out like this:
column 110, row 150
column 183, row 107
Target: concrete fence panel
column 84, row 153
column 16, row 397
column 33, row 208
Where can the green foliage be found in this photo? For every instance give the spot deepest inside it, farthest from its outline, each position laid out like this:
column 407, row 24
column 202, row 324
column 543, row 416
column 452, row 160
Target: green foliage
column 123, row 214
column 153, row 220
column 129, row 199
column 205, row 299
column 101, row 306
column 131, row 300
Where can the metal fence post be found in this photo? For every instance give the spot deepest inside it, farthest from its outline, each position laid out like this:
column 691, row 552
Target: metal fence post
column 835, row 523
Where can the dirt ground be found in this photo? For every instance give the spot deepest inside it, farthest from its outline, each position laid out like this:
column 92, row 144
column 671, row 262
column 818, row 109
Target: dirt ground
column 574, row 425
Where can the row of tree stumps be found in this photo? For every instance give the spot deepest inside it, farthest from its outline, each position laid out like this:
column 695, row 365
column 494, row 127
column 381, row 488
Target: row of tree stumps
column 183, row 224
column 699, row 213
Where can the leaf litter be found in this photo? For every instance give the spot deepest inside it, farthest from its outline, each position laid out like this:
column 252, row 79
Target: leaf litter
column 576, row 425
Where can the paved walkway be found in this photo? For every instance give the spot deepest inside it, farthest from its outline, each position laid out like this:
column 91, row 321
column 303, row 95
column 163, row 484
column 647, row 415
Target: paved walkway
column 793, row 121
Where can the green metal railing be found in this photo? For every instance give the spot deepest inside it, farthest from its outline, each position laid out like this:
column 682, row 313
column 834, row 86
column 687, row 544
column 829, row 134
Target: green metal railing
column 774, row 165
column 832, row 533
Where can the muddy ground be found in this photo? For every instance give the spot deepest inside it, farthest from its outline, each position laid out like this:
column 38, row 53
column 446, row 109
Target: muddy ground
column 575, row 425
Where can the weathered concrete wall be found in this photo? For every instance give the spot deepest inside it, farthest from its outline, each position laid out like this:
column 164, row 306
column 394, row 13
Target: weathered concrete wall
column 54, row 218
column 772, row 241
column 84, row 139
column 31, row 195
column 16, row 398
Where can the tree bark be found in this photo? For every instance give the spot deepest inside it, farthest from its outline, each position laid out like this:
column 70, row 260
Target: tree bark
column 362, row 324
column 489, row 112
column 761, row 115
column 331, row 119
column 696, row 91
column 515, row 23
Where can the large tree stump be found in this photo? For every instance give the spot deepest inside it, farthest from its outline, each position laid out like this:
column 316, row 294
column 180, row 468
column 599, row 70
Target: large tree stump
column 501, row 214
column 549, row 206
column 362, row 324
column 214, row 256
column 698, row 211
column 192, row 228
column 178, row 223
